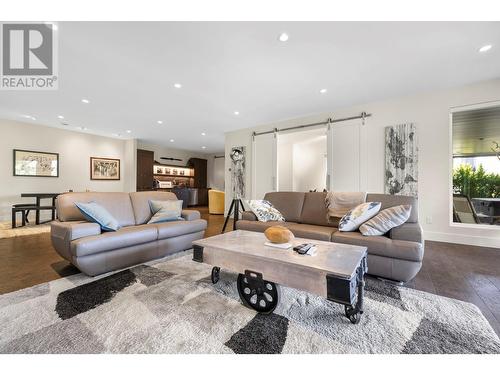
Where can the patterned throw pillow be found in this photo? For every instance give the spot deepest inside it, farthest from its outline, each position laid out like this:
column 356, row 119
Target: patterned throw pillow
column 386, row 220
column 264, row 210
column 165, row 211
column 358, row 215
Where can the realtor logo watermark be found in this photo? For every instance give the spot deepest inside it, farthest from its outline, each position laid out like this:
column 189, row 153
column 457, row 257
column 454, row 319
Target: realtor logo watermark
column 29, row 59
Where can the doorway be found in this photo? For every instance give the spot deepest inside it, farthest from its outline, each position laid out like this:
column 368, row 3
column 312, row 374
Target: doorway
column 302, row 160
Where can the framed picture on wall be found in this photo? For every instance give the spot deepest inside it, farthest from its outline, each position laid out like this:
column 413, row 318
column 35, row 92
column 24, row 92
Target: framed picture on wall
column 35, row 163
column 104, row 169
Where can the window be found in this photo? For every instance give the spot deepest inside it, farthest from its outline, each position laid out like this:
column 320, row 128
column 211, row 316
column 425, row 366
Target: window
column 476, row 166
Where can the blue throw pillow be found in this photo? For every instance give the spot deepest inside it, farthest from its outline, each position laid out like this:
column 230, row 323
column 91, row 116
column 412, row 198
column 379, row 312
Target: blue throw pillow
column 163, row 211
column 98, row 214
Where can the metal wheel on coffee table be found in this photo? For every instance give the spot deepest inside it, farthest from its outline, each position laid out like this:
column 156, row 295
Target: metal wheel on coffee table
column 256, row 293
column 352, row 314
column 215, row 275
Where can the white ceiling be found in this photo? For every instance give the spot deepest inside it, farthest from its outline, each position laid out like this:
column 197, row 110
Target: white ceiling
column 127, row 71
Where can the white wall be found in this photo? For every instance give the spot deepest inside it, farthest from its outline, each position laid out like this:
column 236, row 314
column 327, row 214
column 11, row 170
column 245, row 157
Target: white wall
column 75, row 150
column 430, row 112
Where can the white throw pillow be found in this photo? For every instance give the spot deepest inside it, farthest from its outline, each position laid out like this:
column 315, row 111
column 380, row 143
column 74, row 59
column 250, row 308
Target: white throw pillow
column 264, row 210
column 386, row 220
column 358, row 215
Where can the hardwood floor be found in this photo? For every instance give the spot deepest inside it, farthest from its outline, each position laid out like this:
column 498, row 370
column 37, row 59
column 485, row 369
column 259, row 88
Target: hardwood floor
column 467, row 273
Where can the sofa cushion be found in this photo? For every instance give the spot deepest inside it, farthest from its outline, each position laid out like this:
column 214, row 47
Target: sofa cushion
column 314, row 232
column 124, row 237
column 396, row 200
column 314, row 210
column 259, row 226
column 179, row 228
column 140, row 203
column 407, row 232
column 383, row 246
column 117, row 204
column 288, row 203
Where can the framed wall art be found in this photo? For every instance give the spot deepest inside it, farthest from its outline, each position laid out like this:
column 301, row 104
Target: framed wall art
column 104, row 169
column 35, row 163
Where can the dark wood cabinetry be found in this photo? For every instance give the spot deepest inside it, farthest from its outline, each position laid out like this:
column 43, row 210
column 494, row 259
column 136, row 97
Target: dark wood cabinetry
column 200, row 179
column 200, row 171
column 145, row 161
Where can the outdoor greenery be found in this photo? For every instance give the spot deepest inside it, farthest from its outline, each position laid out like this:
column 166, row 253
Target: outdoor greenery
column 476, row 183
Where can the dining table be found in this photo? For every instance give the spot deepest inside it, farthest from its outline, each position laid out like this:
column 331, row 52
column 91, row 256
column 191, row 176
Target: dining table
column 38, row 199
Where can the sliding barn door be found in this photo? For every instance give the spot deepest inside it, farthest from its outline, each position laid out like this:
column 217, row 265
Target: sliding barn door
column 344, row 156
column 264, row 165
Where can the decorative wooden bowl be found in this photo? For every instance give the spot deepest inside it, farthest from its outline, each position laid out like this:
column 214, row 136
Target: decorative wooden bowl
column 278, row 234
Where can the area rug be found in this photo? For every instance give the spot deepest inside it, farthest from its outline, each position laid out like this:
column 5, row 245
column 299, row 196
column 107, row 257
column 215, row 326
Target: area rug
column 171, row 306
column 6, row 230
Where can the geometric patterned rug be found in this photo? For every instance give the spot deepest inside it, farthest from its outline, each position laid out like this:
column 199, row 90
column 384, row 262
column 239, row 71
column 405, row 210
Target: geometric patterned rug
column 171, row 306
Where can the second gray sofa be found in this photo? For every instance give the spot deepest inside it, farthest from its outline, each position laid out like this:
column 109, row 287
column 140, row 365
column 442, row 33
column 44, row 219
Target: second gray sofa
column 94, row 252
column 397, row 255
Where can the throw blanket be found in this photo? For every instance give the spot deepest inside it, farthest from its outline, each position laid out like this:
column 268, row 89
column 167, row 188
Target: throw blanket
column 339, row 203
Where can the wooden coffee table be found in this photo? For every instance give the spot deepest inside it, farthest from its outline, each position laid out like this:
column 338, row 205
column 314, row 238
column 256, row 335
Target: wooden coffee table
column 336, row 272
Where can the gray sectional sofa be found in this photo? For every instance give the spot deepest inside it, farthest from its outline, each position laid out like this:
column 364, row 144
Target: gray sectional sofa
column 94, row 252
column 397, row 255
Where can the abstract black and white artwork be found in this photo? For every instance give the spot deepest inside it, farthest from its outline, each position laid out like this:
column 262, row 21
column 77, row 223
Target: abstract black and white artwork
column 36, row 163
column 401, row 160
column 238, row 155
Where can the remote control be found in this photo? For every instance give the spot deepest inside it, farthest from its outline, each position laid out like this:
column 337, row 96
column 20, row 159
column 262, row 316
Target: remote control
column 303, row 249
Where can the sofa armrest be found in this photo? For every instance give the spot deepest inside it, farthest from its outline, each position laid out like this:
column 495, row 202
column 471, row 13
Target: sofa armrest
column 72, row 230
column 63, row 232
column 248, row 215
column 407, row 232
column 190, row 215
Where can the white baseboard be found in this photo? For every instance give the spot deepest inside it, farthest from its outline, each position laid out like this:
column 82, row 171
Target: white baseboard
column 463, row 239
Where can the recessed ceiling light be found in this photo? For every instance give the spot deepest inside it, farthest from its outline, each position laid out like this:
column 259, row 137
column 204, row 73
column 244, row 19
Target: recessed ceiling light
column 29, row 117
column 203, row 133
column 86, row 101
column 485, row 48
column 177, row 85
column 129, row 131
column 159, row 122
column 236, row 113
column 203, row 147
column 323, row 91
column 283, row 37
column 115, row 135
column 172, row 140
column 61, row 117
column 83, row 128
